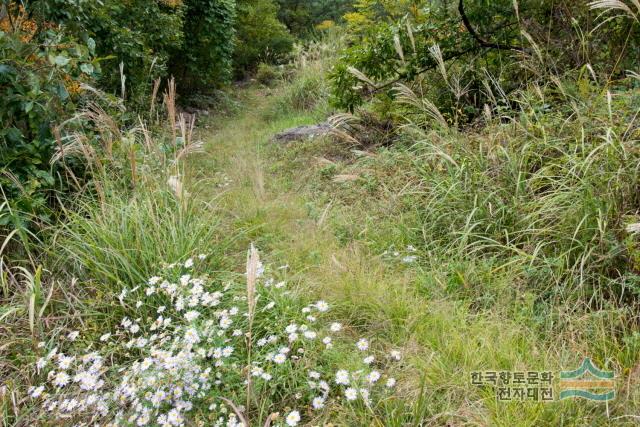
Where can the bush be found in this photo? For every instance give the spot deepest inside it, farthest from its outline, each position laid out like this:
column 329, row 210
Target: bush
column 267, row 74
column 396, row 41
column 41, row 72
column 260, row 36
column 139, row 34
column 205, row 59
column 300, row 17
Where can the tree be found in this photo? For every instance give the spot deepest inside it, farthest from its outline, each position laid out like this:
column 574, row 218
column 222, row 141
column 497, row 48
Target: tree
column 260, row 36
column 300, row 16
column 205, row 59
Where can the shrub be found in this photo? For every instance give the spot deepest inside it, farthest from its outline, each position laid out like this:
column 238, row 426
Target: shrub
column 42, row 70
column 139, row 34
column 395, row 41
column 267, row 74
column 260, row 36
column 205, row 59
column 300, row 17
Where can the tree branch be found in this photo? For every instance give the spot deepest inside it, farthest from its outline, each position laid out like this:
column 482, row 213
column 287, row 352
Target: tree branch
column 476, row 36
column 449, row 57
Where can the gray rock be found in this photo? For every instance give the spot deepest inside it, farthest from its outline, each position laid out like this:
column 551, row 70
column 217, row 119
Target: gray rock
column 303, row 132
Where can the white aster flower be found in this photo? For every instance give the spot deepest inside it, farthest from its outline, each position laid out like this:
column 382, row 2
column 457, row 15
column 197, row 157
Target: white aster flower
column 335, row 327
column 391, row 382
column 317, row 403
column 191, row 336
column 351, row 393
column 61, row 379
column 373, row 376
column 362, row 344
column 225, row 322
column 342, row 377
column 293, row 418
column 64, row 362
column 35, row 392
column 291, row 328
column 322, row 306
column 191, row 315
column 174, row 417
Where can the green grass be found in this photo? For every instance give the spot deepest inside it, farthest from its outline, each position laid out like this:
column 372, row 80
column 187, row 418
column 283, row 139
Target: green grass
column 493, row 290
column 515, row 229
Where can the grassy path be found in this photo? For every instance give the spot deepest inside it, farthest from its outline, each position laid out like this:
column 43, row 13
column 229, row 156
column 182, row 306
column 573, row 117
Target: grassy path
column 269, row 194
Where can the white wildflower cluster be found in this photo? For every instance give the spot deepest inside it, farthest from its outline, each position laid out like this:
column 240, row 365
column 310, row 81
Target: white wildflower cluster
column 406, row 256
column 301, row 344
column 162, row 362
column 185, row 349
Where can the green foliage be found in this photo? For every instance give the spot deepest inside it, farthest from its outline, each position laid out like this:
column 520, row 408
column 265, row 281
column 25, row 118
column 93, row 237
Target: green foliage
column 192, row 40
column 267, row 74
column 307, row 89
column 260, row 36
column 95, row 241
column 40, row 77
column 205, row 59
column 139, row 34
column 300, row 16
column 393, row 41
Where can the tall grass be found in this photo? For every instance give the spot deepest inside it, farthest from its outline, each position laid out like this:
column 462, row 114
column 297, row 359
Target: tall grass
column 548, row 193
column 124, row 239
column 305, row 87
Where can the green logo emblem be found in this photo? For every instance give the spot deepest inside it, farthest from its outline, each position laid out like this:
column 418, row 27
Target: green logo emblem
column 587, row 382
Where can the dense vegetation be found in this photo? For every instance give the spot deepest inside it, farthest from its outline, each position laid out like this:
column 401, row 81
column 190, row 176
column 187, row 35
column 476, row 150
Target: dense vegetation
column 472, row 205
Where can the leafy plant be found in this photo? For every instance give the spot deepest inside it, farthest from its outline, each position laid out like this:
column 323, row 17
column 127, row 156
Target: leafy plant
column 42, row 70
column 205, row 59
column 260, row 36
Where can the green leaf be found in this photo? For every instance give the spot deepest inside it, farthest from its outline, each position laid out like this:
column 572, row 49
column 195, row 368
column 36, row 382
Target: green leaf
column 86, row 68
column 91, row 44
column 61, row 60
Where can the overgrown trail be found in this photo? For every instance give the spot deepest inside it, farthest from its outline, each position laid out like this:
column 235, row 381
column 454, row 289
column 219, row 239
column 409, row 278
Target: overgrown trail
column 334, row 242
column 271, row 204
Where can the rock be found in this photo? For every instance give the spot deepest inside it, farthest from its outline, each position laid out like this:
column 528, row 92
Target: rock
column 303, row 132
